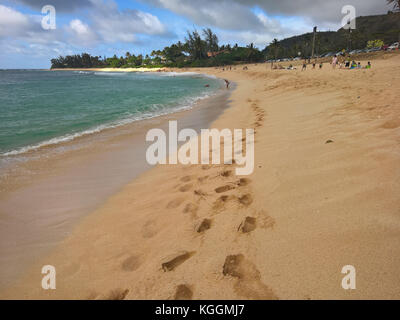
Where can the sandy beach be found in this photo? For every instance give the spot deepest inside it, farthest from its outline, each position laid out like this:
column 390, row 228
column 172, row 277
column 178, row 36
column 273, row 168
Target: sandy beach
column 324, row 194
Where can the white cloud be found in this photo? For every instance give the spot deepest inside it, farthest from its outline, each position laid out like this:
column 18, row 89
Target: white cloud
column 234, row 20
column 23, row 33
column 12, row 22
column 237, row 14
column 318, row 11
column 223, row 14
column 79, row 27
column 81, row 34
column 15, row 26
column 114, row 26
column 60, row 5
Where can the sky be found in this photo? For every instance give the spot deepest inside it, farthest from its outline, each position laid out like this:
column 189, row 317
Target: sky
column 108, row 27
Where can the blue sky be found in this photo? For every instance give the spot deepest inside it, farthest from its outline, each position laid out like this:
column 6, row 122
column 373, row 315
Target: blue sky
column 108, row 27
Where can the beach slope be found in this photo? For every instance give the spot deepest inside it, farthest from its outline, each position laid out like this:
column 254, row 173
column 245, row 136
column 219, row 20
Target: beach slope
column 324, row 194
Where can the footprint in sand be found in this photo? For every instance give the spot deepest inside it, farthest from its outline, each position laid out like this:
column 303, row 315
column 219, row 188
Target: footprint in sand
column 185, row 188
column 266, row 221
column 131, row 263
column 186, row 179
column 224, row 189
column 391, row 124
column 248, row 277
column 204, row 225
column 183, row 292
column 176, row 260
column 243, row 182
column 246, row 200
column 220, row 202
column 202, row 179
column 248, row 225
column 190, row 208
column 149, row 229
column 226, row 173
column 175, row 203
column 117, row 294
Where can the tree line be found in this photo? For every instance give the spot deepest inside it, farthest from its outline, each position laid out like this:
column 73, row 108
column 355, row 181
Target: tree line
column 198, row 50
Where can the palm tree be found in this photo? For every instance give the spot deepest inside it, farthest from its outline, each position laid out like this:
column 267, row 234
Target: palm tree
column 275, row 45
column 211, row 40
column 250, row 52
column 196, row 46
column 395, row 3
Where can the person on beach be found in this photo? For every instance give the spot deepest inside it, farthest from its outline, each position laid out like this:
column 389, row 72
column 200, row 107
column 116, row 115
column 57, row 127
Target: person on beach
column 227, row 83
column 304, row 65
column 353, row 65
column 321, row 65
column 368, row 65
column 347, row 65
column 334, row 62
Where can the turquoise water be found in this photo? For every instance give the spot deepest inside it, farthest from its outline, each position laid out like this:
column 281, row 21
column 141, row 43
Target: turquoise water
column 39, row 108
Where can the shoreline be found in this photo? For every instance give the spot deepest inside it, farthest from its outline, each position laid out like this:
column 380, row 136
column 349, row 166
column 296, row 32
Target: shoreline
column 112, row 69
column 324, row 194
column 54, row 191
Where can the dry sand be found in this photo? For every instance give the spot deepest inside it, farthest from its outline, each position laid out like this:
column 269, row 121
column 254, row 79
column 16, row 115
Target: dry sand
column 286, row 231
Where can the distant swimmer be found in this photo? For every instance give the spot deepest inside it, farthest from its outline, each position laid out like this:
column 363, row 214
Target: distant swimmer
column 334, row 61
column 227, row 83
column 207, row 85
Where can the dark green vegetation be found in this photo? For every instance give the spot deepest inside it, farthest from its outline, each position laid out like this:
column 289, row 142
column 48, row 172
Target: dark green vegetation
column 382, row 27
column 203, row 50
column 197, row 51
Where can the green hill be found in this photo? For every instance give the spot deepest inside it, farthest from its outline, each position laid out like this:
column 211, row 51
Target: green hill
column 384, row 27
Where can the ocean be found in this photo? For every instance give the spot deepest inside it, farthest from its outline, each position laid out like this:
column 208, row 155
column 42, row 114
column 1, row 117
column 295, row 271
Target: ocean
column 42, row 108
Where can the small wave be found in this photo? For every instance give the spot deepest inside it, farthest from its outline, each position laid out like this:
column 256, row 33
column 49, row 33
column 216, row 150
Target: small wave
column 186, row 74
column 111, row 74
column 155, row 111
column 83, row 72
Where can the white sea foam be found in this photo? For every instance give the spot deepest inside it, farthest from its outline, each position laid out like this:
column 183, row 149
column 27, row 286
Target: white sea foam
column 84, row 72
column 186, row 74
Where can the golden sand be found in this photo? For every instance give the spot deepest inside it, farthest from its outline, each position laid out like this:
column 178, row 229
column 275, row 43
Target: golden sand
column 324, row 194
